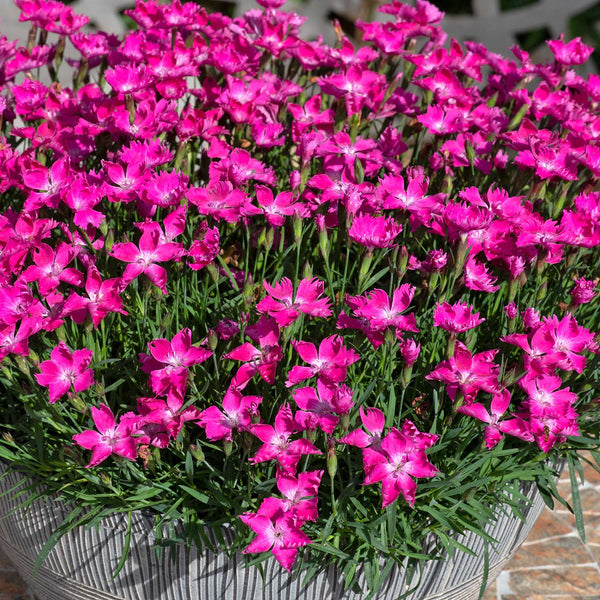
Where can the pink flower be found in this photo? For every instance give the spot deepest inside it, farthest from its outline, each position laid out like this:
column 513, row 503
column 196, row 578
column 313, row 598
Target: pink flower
column 277, row 444
column 110, row 437
column 547, row 416
column 276, row 208
column 299, row 494
column 50, row 268
column 285, row 306
column 382, row 312
column 66, row 369
column 373, row 421
column 152, row 249
column 204, row 248
column 329, row 363
column 467, row 373
column 511, row 310
column 499, row 405
column 162, row 420
column 15, row 340
column 236, row 415
column 102, row 298
column 374, row 232
column 321, row 407
column 276, row 531
column 402, row 457
column 127, row 79
column 262, row 361
column 477, row 277
column 574, row 52
column 410, row 350
column 544, row 395
column 219, row 200
column 169, row 361
column 455, row 318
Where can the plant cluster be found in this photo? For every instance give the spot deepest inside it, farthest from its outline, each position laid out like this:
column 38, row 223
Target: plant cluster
column 340, row 299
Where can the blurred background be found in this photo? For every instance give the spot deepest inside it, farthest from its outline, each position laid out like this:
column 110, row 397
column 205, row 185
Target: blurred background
column 497, row 23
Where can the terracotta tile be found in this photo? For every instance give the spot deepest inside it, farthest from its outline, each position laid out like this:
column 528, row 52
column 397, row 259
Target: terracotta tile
column 491, row 592
column 545, row 597
column 591, row 475
column 564, row 489
column 517, row 597
column 595, row 551
column 573, row 580
column 590, row 500
column 10, row 583
column 565, row 550
column 591, row 523
column 548, row 525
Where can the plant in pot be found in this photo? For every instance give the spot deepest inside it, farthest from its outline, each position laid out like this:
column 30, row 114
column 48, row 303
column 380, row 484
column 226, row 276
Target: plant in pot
column 284, row 318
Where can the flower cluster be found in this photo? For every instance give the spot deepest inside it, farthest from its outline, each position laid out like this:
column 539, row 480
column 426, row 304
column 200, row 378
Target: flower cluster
column 234, row 263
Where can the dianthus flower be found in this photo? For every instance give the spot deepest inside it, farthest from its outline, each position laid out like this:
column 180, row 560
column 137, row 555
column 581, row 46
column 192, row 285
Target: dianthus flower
column 456, row 318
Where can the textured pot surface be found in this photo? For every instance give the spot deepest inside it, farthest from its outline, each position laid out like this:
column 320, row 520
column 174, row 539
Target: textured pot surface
column 82, row 564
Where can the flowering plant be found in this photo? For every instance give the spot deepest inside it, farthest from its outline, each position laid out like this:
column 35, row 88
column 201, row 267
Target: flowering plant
column 339, row 299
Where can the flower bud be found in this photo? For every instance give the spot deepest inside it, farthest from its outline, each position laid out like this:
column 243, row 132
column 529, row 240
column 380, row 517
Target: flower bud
column 331, row 457
column 297, row 223
column 78, row 404
column 307, row 272
column 410, row 350
column 213, row 339
column 542, row 291
column 295, row 180
column 227, row 447
column 402, row 261
column 109, row 240
column 196, row 452
column 511, row 310
column 22, row 364
column 249, row 291
column 324, row 243
column 344, row 422
column 213, row 272
column 33, row 358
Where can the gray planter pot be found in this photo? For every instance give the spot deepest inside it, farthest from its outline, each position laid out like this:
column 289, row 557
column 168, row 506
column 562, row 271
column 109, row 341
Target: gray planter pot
column 82, row 564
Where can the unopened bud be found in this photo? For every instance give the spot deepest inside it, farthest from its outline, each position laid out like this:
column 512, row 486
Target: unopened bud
column 249, row 289
column 22, row 364
column 324, row 243
column 213, row 272
column 331, row 457
column 297, row 222
column 78, row 404
column 542, row 291
column 511, row 310
column 403, row 256
column 227, row 447
column 213, row 339
column 307, row 272
column 196, row 452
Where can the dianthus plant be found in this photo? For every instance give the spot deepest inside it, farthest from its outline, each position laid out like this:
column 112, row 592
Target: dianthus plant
column 339, row 299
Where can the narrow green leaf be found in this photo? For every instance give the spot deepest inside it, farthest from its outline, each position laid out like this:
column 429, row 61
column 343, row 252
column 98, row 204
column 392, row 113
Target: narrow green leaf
column 576, row 500
column 486, row 569
column 126, row 546
column 196, row 494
